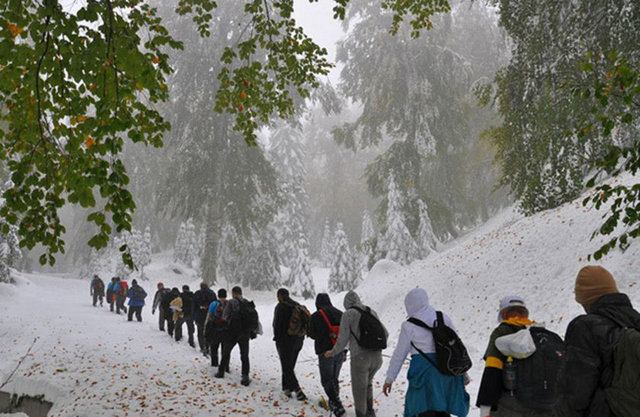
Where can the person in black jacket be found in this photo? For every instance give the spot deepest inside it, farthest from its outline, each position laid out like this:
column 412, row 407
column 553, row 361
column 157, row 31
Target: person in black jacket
column 157, row 305
column 590, row 340
column 187, row 316
column 165, row 305
column 201, row 301
column 320, row 331
column 288, row 347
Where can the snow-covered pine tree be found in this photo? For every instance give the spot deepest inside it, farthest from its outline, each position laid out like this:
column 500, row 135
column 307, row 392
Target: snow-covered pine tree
column 300, row 280
column 229, row 250
column 144, row 255
column 355, row 275
column 341, row 275
column 179, row 248
column 191, row 244
column 426, row 240
column 368, row 242
column 10, row 252
column 326, row 245
column 261, row 268
column 398, row 242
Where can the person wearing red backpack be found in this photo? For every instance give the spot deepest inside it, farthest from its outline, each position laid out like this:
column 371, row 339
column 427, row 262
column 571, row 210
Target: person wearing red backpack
column 324, row 327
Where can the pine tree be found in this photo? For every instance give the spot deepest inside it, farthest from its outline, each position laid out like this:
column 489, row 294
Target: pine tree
column 342, row 270
column 326, row 246
column 368, row 242
column 179, row 248
column 399, row 245
column 229, row 251
column 191, row 244
column 300, row 280
column 426, row 239
column 144, row 256
column 10, row 252
column 355, row 275
column 261, row 268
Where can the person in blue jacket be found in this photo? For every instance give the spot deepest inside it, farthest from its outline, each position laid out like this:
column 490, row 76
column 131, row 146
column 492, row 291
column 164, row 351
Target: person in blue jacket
column 136, row 295
column 111, row 293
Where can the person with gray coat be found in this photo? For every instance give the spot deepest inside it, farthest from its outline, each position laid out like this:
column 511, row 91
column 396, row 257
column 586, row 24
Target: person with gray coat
column 364, row 362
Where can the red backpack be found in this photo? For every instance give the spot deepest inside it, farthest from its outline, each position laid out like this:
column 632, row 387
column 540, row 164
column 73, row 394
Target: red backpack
column 333, row 330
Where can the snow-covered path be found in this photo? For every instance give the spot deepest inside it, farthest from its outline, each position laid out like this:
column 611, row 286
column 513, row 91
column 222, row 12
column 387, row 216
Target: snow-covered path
column 91, row 362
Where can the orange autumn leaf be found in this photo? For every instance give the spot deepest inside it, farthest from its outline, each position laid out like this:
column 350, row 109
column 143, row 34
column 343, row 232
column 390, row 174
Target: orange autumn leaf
column 89, row 142
column 156, row 60
column 243, row 95
column 14, row 29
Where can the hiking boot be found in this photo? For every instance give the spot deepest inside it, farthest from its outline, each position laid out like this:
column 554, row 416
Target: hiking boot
column 245, row 381
column 337, row 409
column 300, row 395
column 287, row 393
column 219, row 374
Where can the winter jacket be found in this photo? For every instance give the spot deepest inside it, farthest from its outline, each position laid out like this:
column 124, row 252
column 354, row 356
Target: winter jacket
column 350, row 326
column 157, row 299
column 120, row 289
column 211, row 315
column 588, row 360
column 167, row 298
column 417, row 304
column 96, row 286
column 281, row 319
column 187, row 304
column 176, row 306
column 136, row 295
column 202, row 299
column 318, row 329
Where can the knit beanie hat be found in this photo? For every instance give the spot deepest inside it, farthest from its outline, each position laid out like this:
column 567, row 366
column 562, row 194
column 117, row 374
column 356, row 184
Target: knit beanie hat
column 510, row 301
column 592, row 283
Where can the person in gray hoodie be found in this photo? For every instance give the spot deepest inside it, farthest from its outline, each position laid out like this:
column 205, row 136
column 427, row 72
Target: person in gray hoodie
column 364, row 362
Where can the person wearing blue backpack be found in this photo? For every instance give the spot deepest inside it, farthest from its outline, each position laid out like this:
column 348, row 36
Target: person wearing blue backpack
column 136, row 295
column 430, row 393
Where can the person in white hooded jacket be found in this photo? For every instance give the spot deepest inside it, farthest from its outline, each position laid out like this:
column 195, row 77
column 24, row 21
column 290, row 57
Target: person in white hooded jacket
column 430, row 393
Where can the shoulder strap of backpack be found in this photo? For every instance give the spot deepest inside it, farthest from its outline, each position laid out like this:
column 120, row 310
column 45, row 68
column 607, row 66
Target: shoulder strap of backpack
column 439, row 318
column 419, row 323
column 424, row 355
column 326, row 319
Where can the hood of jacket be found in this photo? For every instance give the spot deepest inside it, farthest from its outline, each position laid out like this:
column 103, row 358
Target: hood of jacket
column 617, row 307
column 351, row 299
column 323, row 301
column 417, row 304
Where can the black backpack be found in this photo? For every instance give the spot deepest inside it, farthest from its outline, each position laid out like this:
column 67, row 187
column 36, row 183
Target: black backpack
column 622, row 393
column 452, row 357
column 248, row 316
column 536, row 375
column 372, row 332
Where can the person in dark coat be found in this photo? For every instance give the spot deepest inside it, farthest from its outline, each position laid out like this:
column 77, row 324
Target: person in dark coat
column 96, row 290
column 288, row 347
column 320, row 331
column 186, row 316
column 590, row 340
column 120, row 290
column 157, row 305
column 165, row 305
column 215, row 326
column 202, row 299
column 136, row 295
column 111, row 293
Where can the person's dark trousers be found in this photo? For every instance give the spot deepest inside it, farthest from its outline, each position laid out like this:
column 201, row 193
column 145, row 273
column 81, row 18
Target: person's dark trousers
column 137, row 310
column 191, row 330
column 228, row 344
column 111, row 304
column 288, row 351
column 170, row 323
column 434, row 414
column 202, row 343
column 329, row 375
column 118, row 305
column 177, row 328
column 96, row 296
column 161, row 319
column 216, row 341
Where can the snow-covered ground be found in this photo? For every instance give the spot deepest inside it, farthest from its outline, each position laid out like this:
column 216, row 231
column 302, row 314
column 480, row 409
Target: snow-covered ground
column 90, row 362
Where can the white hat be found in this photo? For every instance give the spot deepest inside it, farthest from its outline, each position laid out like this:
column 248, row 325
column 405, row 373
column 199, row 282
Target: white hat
column 508, row 302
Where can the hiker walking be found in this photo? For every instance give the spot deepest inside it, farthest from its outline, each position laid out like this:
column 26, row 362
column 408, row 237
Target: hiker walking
column 187, row 315
column 366, row 336
column 169, row 309
column 521, row 365
column 157, row 305
column 602, row 350
column 289, row 328
column 202, row 299
column 178, row 313
column 111, row 298
column 242, row 325
column 324, row 327
column 430, row 392
column 96, row 290
column 215, row 326
column 120, row 290
column 136, row 295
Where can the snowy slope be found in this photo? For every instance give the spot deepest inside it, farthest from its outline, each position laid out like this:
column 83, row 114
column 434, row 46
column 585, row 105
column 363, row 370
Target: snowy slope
column 90, row 362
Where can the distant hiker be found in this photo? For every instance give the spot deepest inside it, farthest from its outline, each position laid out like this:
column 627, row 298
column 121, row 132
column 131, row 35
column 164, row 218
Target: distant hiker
column 157, row 305
column 120, row 290
column 178, row 314
column 242, row 325
column 202, row 299
column 521, row 365
column 599, row 373
column 324, row 327
column 430, row 393
column 215, row 326
column 168, row 311
column 186, row 316
column 366, row 336
column 96, row 290
column 136, row 296
column 290, row 322
column 111, row 298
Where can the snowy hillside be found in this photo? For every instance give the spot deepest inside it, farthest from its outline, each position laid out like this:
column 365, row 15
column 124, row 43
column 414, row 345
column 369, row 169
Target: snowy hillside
column 90, row 362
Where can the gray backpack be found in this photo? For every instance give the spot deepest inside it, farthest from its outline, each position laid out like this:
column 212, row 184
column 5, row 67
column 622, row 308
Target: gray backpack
column 623, row 395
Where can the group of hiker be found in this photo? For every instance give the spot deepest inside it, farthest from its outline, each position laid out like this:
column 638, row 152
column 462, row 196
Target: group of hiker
column 117, row 291
column 529, row 370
